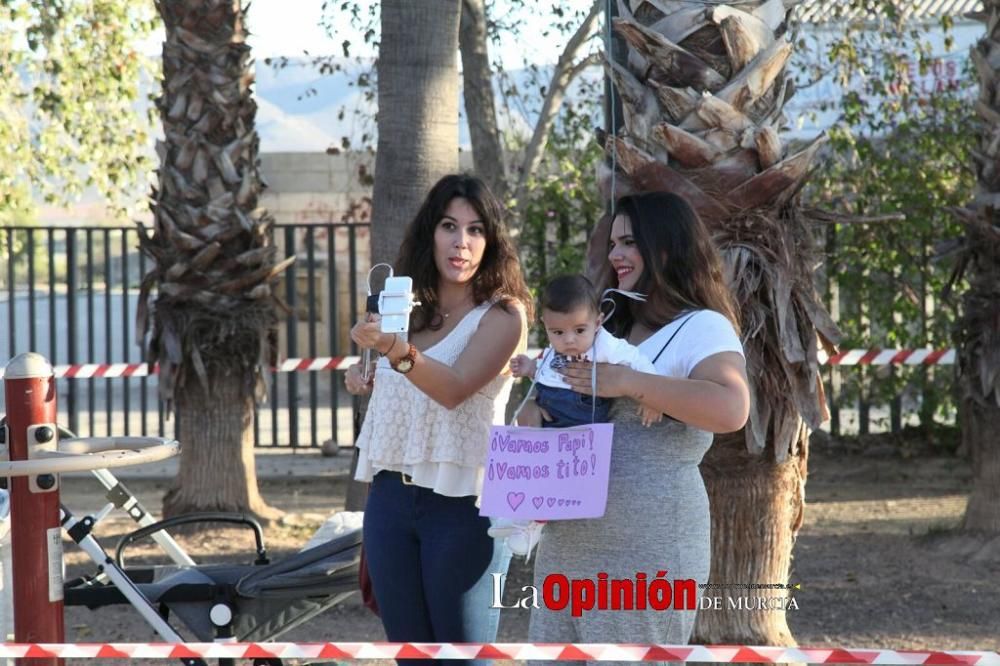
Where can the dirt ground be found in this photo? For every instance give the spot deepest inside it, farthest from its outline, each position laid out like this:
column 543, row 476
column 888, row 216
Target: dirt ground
column 877, row 559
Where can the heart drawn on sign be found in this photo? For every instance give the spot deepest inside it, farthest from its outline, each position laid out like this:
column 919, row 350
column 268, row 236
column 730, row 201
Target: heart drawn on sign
column 538, row 501
column 552, row 501
column 515, row 500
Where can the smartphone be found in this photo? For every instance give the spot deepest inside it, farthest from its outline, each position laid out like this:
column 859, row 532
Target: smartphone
column 395, row 303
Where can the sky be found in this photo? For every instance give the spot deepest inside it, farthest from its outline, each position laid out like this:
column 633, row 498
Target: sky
column 289, row 27
column 291, row 120
column 279, row 28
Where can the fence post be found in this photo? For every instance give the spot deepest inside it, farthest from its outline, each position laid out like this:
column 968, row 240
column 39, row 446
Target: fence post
column 36, row 536
column 864, row 375
column 71, row 328
column 833, row 306
column 292, row 326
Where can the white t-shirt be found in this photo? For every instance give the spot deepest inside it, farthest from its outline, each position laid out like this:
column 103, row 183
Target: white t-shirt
column 700, row 334
column 606, row 349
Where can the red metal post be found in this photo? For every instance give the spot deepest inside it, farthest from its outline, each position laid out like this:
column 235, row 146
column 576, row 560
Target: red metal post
column 36, row 537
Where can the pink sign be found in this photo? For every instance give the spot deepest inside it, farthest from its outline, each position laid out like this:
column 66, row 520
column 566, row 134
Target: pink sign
column 547, row 473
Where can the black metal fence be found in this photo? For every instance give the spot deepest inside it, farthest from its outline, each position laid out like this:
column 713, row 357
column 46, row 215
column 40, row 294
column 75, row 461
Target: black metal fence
column 70, row 293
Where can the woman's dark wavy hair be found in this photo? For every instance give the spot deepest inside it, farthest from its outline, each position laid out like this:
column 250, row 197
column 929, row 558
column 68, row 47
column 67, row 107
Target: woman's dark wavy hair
column 682, row 268
column 499, row 272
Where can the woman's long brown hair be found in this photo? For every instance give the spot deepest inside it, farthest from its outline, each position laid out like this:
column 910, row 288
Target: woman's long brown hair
column 499, row 274
column 682, row 269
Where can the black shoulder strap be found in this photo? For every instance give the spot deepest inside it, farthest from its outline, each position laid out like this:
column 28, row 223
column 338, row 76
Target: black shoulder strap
column 673, row 335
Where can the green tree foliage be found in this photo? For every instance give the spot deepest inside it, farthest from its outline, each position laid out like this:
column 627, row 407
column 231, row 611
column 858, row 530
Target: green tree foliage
column 901, row 147
column 70, row 116
column 562, row 203
column 519, row 100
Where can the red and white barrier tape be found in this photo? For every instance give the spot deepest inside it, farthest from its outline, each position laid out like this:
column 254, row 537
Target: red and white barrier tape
column 114, row 370
column 874, row 356
column 539, row 651
column 878, row 356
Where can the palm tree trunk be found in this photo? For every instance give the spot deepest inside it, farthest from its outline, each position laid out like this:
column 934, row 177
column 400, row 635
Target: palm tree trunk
column 978, row 330
column 213, row 261
column 757, row 508
column 702, row 93
column 980, row 425
column 417, row 113
column 218, row 478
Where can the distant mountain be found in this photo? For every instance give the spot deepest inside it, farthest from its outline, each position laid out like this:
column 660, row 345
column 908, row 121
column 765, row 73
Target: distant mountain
column 281, row 131
column 299, row 108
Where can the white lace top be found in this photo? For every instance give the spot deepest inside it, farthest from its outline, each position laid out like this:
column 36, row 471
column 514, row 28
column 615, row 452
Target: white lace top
column 406, row 431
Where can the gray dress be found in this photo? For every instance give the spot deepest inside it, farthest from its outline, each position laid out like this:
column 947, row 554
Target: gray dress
column 657, row 519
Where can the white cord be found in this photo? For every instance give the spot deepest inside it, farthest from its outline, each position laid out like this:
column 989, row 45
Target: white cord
column 634, row 295
column 534, row 380
column 366, row 355
column 372, row 270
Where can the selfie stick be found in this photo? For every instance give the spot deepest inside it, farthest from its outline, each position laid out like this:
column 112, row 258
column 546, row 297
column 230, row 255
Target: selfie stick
column 371, row 307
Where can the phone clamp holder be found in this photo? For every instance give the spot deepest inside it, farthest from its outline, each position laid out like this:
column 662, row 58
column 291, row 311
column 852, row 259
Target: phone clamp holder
column 393, row 305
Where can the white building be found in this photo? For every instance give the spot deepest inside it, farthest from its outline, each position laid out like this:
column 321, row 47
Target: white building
column 814, row 106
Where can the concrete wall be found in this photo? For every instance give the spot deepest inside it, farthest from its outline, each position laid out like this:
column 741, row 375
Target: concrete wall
column 315, row 187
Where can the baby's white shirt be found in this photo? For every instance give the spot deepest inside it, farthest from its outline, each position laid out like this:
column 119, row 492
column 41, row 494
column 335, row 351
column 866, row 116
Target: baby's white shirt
column 606, row 349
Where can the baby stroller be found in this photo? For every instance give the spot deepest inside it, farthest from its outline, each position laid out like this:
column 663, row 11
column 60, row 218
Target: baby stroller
column 246, row 602
column 252, row 602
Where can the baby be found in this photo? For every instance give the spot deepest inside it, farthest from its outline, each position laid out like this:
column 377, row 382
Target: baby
column 572, row 318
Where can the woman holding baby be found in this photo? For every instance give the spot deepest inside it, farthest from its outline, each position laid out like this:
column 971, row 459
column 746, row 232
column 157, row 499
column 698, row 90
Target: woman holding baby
column 657, row 516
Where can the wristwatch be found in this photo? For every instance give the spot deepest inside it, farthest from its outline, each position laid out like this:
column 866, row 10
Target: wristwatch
column 405, row 364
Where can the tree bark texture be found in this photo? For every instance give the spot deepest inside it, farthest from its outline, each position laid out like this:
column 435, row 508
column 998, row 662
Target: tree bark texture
column 980, row 432
column 222, row 476
column 417, row 129
column 417, row 113
column 477, row 85
column 978, row 330
column 757, row 508
column 210, row 324
column 702, row 90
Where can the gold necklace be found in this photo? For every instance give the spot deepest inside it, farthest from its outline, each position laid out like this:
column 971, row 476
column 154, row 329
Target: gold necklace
column 445, row 315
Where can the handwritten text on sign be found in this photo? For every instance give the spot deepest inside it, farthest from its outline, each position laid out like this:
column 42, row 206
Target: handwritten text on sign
column 547, row 474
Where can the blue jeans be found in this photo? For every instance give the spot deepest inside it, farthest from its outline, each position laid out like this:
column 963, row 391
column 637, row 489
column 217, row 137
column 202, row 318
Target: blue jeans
column 569, row 408
column 430, row 561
